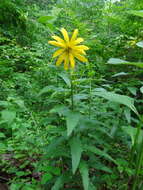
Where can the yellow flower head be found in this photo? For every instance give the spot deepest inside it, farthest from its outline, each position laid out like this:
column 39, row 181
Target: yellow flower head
column 69, row 49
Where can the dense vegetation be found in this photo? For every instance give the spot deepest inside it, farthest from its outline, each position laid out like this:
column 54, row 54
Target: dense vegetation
column 79, row 128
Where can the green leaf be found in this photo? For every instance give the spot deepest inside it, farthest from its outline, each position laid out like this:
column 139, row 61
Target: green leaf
column 20, row 173
column 58, row 184
column 65, row 77
column 4, row 103
column 120, row 74
column 78, row 97
column 115, row 61
column 2, row 146
column 102, row 167
column 76, row 150
column 20, row 103
column 46, row 89
column 85, row 176
column 92, row 187
column 51, row 148
column 45, row 19
column 14, row 186
column 8, row 116
column 56, row 171
column 132, row 131
column 60, row 109
column 2, row 135
column 72, row 120
column 121, row 99
column 45, row 178
column 51, row 169
column 50, row 26
column 99, row 152
column 141, row 89
column 127, row 113
column 136, row 12
column 133, row 90
column 140, row 44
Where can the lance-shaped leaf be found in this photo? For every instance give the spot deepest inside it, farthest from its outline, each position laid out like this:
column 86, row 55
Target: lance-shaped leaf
column 45, row 19
column 115, row 61
column 99, row 152
column 132, row 132
column 66, row 78
column 141, row 89
column 140, row 44
column 136, row 12
column 121, row 99
column 76, row 151
column 72, row 120
column 85, row 176
column 46, row 89
column 59, row 183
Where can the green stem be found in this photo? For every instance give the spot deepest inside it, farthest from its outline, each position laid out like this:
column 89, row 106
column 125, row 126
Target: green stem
column 90, row 98
column 139, row 156
column 135, row 142
column 90, row 76
column 72, row 91
column 139, row 163
column 136, row 138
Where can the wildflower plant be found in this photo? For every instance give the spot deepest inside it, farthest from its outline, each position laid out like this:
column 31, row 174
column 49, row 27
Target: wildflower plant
column 69, row 49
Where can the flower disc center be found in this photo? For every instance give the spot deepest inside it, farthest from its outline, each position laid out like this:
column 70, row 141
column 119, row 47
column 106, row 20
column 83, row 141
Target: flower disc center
column 68, row 49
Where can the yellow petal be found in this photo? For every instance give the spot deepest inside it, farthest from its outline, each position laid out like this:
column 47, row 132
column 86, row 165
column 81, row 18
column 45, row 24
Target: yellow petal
column 58, row 52
column 80, row 57
column 54, row 43
column 65, row 34
column 77, row 41
column 60, row 59
column 72, row 61
column 80, row 52
column 81, row 47
column 66, row 62
column 74, row 35
column 60, row 40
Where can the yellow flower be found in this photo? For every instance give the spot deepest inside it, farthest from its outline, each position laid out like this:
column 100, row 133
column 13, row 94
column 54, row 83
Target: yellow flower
column 69, row 49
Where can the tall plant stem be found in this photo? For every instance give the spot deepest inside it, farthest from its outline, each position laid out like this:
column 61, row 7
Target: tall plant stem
column 139, row 155
column 72, row 90
column 139, row 163
column 136, row 139
column 90, row 75
column 135, row 142
column 90, row 97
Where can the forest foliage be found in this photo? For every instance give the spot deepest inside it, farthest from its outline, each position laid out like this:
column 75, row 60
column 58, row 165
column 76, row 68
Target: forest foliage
column 78, row 127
